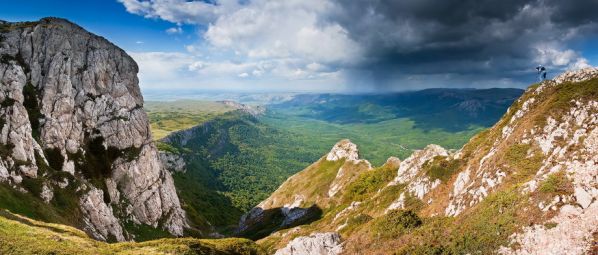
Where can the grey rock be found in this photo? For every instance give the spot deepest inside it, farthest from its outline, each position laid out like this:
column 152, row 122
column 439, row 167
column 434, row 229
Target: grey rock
column 47, row 194
column 99, row 217
column 314, row 244
column 344, row 149
column 173, row 162
column 66, row 90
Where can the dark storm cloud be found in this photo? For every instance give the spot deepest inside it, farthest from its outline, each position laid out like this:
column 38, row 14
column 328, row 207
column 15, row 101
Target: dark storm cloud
column 484, row 40
column 379, row 44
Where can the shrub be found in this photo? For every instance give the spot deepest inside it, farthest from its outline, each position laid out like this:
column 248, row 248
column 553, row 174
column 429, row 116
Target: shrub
column 441, row 168
column 556, row 183
column 162, row 146
column 549, row 225
column 369, row 182
column 426, row 249
column 517, row 157
column 356, row 221
column 396, row 223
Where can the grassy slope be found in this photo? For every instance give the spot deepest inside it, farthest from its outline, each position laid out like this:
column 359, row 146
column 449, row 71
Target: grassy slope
column 21, row 235
column 166, row 117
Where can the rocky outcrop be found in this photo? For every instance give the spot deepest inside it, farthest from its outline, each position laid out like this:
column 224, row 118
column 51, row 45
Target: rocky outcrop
column 70, row 102
column 410, row 173
column 173, row 162
column 99, row 217
column 314, row 244
column 344, row 149
column 298, row 201
column 570, row 145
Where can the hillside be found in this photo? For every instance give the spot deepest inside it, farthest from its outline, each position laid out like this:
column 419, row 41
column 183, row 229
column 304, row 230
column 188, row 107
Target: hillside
column 235, row 159
column 21, row 235
column 75, row 143
column 521, row 187
column 232, row 162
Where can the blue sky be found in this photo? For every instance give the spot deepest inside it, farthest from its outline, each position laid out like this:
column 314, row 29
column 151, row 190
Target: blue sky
column 330, row 45
column 107, row 18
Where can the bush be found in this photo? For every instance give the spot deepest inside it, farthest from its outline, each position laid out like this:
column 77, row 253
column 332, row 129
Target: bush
column 355, row 222
column 426, row 249
column 166, row 147
column 556, row 183
column 441, row 168
column 396, row 223
column 369, row 182
column 523, row 166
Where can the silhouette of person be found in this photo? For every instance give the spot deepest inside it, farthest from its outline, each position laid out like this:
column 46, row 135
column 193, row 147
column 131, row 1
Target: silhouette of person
column 541, row 72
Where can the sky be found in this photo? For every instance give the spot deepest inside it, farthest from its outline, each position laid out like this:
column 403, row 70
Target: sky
column 335, row 45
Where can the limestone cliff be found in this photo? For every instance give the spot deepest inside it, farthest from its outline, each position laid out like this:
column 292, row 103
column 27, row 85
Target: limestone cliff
column 71, row 118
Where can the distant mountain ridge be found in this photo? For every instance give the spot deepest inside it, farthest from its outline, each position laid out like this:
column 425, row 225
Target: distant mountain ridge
column 481, row 107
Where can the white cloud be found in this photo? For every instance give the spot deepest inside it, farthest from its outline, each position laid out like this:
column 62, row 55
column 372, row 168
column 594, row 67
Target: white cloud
column 277, row 40
column 284, row 29
column 551, row 55
column 180, row 11
column 160, row 68
column 184, row 70
column 174, row 30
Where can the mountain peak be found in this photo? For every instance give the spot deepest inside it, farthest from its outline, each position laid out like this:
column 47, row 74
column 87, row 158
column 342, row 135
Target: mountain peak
column 343, row 149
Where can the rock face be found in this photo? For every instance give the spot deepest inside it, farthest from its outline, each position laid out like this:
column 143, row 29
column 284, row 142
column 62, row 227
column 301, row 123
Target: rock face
column 70, row 102
column 315, row 244
column 410, row 173
column 173, row 162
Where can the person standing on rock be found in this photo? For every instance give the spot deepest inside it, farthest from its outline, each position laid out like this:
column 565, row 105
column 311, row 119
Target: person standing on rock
column 541, row 73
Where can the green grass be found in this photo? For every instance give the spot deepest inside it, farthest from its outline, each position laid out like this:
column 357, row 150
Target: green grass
column 355, row 222
column 524, row 159
column 29, row 205
column 21, row 235
column 482, row 230
column 396, row 223
column 556, row 183
column 368, row 183
column 441, row 168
